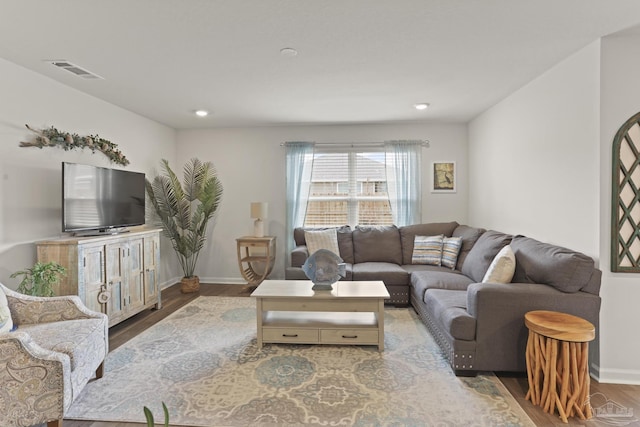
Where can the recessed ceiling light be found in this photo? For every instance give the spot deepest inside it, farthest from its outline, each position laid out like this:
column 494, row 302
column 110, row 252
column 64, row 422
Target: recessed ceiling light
column 202, row 113
column 288, row 52
column 421, row 106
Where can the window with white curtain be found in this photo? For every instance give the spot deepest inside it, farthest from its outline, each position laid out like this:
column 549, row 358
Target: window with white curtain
column 348, row 186
column 356, row 184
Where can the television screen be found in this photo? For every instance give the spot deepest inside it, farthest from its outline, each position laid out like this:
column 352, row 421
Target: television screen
column 101, row 199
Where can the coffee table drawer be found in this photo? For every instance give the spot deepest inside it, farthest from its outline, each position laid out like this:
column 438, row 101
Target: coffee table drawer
column 348, row 336
column 293, row 335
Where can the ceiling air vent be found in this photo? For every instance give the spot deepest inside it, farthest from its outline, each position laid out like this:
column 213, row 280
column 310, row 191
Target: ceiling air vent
column 73, row 68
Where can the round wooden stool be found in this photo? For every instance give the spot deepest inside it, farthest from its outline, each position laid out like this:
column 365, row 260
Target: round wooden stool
column 557, row 362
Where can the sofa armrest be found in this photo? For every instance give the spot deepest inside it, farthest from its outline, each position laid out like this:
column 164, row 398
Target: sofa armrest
column 499, row 310
column 492, row 300
column 27, row 373
column 299, row 255
column 27, row 309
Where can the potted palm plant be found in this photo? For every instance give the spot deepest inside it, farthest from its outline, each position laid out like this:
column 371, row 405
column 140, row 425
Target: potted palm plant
column 184, row 211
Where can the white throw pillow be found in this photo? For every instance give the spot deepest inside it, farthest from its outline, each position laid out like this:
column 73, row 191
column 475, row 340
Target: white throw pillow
column 6, row 323
column 427, row 250
column 502, row 267
column 322, row 239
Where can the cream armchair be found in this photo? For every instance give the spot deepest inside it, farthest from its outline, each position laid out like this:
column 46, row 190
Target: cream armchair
column 58, row 346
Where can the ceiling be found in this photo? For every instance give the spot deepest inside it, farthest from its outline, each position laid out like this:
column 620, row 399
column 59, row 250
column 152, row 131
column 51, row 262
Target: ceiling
column 359, row 61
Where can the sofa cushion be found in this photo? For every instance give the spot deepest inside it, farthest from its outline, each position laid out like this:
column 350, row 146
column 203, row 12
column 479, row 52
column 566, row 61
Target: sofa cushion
column 422, row 281
column 450, row 251
column 297, row 273
column 593, row 287
column 76, row 338
column 299, row 255
column 377, row 244
column 409, row 232
column 502, row 267
column 322, row 239
column 562, row 268
column 345, row 243
column 412, row 268
column 6, row 322
column 483, row 252
column 469, row 236
column 427, row 250
column 389, row 273
column 450, row 308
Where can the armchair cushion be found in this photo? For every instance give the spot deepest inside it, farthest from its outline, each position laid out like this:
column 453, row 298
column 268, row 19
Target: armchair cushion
column 78, row 339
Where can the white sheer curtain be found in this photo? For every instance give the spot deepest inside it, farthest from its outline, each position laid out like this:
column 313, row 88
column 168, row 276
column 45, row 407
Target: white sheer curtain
column 298, row 164
column 404, row 181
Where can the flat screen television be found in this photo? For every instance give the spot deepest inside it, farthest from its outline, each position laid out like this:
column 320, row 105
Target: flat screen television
column 99, row 200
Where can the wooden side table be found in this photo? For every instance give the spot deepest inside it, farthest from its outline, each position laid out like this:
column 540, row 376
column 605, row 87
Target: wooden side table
column 557, row 362
column 254, row 250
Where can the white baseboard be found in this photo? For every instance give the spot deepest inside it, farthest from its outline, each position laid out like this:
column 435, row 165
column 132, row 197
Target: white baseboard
column 169, row 283
column 223, row 280
column 615, row 376
column 206, row 280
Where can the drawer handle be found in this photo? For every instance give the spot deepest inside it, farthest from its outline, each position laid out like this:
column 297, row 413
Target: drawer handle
column 290, row 335
column 350, row 336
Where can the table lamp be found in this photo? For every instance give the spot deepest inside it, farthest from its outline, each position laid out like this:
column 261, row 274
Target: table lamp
column 259, row 212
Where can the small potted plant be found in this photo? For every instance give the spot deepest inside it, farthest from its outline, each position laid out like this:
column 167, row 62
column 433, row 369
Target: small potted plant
column 40, row 279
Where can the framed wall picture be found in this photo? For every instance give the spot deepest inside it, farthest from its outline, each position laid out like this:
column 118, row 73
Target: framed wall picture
column 443, row 177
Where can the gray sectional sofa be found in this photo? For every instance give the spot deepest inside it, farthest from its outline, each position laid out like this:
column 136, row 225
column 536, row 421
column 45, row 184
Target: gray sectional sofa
column 479, row 326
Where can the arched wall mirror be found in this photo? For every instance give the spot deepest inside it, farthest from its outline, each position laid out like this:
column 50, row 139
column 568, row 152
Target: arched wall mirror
column 625, row 198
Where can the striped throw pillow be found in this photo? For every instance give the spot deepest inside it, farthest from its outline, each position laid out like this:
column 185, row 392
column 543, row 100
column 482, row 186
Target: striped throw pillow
column 322, row 239
column 450, row 250
column 427, row 250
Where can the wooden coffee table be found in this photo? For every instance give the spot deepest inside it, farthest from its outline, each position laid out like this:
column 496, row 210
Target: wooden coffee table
column 289, row 311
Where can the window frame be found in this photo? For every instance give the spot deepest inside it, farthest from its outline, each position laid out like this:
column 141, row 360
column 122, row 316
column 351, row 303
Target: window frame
column 354, row 187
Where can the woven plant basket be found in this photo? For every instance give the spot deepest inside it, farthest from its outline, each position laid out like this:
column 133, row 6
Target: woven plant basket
column 190, row 284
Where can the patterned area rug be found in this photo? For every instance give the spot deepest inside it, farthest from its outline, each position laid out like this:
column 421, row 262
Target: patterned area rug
column 203, row 362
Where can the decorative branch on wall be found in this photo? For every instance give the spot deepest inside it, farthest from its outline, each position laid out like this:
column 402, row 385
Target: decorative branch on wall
column 52, row 137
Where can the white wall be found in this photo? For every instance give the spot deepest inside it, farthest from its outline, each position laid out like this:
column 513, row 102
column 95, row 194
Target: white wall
column 250, row 163
column 533, row 158
column 620, row 99
column 540, row 165
column 30, row 178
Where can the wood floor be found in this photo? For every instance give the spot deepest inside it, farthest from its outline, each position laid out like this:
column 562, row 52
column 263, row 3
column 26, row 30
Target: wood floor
column 625, row 395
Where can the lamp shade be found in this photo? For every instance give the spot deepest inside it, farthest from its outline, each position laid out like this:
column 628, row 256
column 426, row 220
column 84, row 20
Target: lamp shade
column 259, row 209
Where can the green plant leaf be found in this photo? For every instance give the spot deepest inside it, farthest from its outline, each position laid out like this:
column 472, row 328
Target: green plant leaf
column 166, row 415
column 40, row 279
column 185, row 210
column 149, row 416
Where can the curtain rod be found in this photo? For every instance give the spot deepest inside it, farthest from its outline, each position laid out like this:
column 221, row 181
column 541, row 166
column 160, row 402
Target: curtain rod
column 423, row 142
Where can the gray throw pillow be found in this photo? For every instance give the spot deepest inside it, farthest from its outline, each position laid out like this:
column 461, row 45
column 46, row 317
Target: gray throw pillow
column 482, row 254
